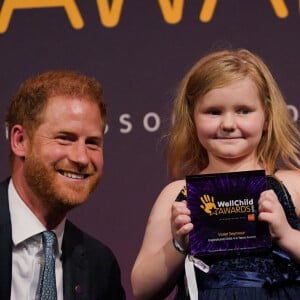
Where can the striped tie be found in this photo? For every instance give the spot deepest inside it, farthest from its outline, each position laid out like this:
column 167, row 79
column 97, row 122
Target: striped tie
column 47, row 287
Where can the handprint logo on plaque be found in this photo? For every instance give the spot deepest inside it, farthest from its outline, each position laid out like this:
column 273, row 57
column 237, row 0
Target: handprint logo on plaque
column 208, row 204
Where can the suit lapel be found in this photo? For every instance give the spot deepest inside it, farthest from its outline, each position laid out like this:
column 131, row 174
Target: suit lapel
column 74, row 259
column 6, row 243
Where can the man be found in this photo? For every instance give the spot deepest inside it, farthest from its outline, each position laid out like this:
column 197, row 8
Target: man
column 56, row 125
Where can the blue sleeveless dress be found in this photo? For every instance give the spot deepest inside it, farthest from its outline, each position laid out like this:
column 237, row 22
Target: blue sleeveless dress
column 269, row 275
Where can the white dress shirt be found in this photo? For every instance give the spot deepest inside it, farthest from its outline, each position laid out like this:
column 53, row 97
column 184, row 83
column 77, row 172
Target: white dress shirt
column 27, row 254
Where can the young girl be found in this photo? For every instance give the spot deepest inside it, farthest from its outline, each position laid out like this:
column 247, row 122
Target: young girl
column 229, row 116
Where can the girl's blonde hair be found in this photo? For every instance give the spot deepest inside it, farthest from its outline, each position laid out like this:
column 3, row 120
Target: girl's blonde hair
column 185, row 154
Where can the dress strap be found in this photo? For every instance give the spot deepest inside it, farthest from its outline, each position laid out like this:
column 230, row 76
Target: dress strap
column 182, row 195
column 285, row 199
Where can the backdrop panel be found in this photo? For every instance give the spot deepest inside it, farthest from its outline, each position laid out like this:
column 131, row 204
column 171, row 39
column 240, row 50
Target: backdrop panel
column 139, row 50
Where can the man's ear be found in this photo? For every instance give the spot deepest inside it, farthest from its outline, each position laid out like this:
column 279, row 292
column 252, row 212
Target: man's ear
column 18, row 141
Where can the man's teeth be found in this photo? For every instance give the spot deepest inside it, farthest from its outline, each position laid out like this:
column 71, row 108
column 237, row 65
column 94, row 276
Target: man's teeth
column 73, row 176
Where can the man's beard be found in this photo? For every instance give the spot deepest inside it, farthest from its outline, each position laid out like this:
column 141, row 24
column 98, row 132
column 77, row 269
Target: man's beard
column 51, row 192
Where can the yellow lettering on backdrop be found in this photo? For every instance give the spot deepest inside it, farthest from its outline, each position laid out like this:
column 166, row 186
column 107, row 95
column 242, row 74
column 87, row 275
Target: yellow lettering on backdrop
column 171, row 13
column 70, row 6
column 172, row 10
column 207, row 10
column 280, row 8
column 110, row 16
column 209, row 6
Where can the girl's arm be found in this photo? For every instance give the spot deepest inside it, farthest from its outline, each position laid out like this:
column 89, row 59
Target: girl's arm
column 159, row 264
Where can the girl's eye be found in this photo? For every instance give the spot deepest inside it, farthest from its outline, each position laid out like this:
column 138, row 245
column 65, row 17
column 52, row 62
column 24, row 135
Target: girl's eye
column 215, row 112
column 244, row 111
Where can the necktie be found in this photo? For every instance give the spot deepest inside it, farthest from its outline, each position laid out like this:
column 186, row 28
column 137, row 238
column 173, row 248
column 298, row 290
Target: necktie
column 47, row 286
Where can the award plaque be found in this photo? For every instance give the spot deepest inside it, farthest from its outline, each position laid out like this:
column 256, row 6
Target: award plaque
column 224, row 212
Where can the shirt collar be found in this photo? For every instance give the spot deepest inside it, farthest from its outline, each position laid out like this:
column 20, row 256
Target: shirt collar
column 24, row 223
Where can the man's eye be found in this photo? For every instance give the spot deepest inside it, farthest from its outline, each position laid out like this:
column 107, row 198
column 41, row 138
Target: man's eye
column 94, row 143
column 63, row 139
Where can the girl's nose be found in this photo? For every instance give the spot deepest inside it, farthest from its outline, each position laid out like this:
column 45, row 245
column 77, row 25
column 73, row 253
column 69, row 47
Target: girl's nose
column 228, row 122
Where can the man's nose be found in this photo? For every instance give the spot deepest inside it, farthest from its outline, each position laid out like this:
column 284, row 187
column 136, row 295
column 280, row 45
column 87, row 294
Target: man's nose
column 79, row 153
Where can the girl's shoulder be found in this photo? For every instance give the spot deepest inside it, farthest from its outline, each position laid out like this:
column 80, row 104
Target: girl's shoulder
column 173, row 188
column 166, row 198
column 288, row 177
column 170, row 192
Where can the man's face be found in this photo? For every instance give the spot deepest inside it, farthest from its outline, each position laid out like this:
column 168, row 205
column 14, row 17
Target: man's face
column 64, row 158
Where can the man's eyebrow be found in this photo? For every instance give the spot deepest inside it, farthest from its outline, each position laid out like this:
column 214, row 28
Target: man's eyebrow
column 98, row 136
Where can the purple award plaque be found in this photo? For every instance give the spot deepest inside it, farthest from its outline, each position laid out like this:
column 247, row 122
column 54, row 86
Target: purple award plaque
column 224, row 213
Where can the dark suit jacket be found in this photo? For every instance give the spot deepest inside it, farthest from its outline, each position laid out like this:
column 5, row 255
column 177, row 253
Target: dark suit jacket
column 90, row 270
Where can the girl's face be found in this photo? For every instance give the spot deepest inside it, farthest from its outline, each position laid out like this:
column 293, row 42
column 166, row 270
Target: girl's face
column 230, row 121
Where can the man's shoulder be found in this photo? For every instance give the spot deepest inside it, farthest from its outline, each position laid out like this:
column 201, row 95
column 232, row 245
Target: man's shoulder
column 77, row 237
column 4, row 210
column 4, row 183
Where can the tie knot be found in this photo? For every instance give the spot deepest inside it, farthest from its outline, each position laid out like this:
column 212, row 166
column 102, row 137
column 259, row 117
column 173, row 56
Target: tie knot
column 49, row 238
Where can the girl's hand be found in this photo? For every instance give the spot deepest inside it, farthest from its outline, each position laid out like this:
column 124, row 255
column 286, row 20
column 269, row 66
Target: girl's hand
column 181, row 223
column 272, row 212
